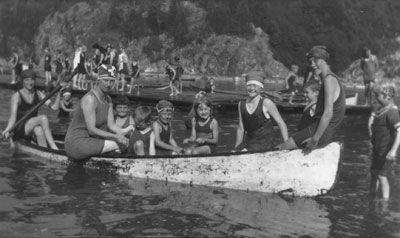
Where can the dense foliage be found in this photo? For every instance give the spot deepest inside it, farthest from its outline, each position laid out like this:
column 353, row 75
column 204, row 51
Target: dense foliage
column 292, row 25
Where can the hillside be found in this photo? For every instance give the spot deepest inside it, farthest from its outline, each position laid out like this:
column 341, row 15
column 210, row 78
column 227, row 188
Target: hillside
column 225, row 37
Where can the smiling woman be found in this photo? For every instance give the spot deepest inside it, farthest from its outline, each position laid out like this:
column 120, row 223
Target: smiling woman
column 87, row 134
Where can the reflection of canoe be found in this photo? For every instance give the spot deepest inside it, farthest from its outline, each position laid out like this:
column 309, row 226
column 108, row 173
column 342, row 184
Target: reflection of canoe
column 276, row 172
column 255, row 213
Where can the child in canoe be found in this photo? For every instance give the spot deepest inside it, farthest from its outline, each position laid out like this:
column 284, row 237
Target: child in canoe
column 164, row 141
column 192, row 112
column 141, row 141
column 384, row 128
column 122, row 118
column 204, row 129
column 311, row 92
column 255, row 131
column 66, row 105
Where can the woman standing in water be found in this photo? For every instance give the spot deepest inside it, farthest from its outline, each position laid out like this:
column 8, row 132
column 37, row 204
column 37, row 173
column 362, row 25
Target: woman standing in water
column 87, row 134
column 330, row 109
column 34, row 126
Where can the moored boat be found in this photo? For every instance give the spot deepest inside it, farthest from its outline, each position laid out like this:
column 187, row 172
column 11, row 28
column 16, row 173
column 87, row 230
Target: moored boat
column 290, row 172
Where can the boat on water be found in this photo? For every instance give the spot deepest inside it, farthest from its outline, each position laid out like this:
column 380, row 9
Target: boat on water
column 284, row 172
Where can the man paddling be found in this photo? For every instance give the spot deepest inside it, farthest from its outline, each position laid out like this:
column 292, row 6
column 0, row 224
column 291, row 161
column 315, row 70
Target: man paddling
column 330, row 108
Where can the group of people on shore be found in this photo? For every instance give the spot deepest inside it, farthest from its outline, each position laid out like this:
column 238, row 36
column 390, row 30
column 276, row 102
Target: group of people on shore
column 101, row 125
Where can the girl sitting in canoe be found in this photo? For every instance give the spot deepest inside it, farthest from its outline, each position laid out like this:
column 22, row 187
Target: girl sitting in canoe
column 34, row 126
column 122, row 118
column 165, row 142
column 87, row 134
column 192, row 112
column 311, row 91
column 141, row 141
column 255, row 118
column 204, row 130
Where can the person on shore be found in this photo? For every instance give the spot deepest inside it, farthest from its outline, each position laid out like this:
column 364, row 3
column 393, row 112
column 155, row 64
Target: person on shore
column 311, row 92
column 170, row 71
column 369, row 66
column 47, row 66
column 205, row 131
column 67, row 63
column 142, row 139
column 122, row 117
column 16, row 67
column 331, row 106
column 135, row 75
column 34, row 127
column 178, row 74
column 88, row 133
column 59, row 64
column 80, row 65
column 255, row 131
column 122, row 68
column 98, row 58
column 210, row 85
column 164, row 140
column 384, row 127
column 291, row 80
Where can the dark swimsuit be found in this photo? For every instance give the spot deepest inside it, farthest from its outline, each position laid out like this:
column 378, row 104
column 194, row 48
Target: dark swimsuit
column 205, row 131
column 23, row 108
column 47, row 63
column 164, row 137
column 258, row 129
column 137, row 136
column 306, row 118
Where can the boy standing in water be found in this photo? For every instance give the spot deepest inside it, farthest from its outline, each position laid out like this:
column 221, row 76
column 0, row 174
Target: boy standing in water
column 384, row 127
column 255, row 131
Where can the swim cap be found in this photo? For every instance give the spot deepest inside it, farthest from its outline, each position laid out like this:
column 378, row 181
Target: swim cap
column 318, row 51
column 66, row 91
column 28, row 74
column 164, row 104
column 106, row 72
column 255, row 77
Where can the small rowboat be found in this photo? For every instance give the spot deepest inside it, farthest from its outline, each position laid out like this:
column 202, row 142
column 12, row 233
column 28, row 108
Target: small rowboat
column 282, row 172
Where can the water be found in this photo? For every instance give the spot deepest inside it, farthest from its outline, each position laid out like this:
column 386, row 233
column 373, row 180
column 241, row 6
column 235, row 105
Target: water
column 47, row 199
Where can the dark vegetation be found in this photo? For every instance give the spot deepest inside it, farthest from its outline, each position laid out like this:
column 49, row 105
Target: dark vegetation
column 293, row 26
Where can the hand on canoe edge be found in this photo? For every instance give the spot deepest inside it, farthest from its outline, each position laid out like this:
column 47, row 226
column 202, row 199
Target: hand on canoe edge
column 310, row 144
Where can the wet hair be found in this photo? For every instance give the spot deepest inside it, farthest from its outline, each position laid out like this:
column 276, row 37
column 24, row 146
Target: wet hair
column 312, row 85
column 142, row 117
column 202, row 100
column 386, row 87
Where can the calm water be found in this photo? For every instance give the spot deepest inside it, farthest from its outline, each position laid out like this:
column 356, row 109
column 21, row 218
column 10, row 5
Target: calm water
column 46, row 200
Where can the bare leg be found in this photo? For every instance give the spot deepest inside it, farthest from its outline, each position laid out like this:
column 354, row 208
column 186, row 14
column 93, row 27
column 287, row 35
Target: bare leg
column 383, row 181
column 139, row 147
column 44, row 123
column 40, row 138
column 109, row 146
column 171, row 86
column 13, row 79
column 374, row 183
column 122, row 82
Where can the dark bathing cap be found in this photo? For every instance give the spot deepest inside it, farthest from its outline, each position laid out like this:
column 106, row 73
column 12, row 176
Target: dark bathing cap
column 106, row 72
column 28, row 74
column 318, row 51
column 121, row 100
column 164, row 104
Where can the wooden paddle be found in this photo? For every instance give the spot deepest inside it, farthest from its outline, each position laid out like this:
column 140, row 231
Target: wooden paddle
column 39, row 104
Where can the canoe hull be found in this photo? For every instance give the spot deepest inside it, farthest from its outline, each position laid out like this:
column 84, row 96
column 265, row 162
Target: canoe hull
column 273, row 172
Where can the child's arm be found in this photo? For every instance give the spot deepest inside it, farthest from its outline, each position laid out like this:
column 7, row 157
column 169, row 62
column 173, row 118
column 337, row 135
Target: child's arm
column 192, row 138
column 152, row 148
column 240, row 129
column 215, row 133
column 62, row 105
column 159, row 142
column 270, row 108
column 393, row 151
column 370, row 122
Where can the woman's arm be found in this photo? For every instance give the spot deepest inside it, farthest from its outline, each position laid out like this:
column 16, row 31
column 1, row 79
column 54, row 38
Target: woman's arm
column 240, row 129
column 192, row 138
column 270, row 108
column 48, row 102
column 13, row 114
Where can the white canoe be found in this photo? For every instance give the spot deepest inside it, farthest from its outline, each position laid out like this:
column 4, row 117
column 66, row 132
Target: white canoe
column 274, row 172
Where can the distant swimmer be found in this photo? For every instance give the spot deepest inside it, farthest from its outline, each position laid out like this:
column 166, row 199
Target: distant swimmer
column 369, row 66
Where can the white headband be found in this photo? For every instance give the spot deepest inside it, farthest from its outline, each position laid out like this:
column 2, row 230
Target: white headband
column 258, row 83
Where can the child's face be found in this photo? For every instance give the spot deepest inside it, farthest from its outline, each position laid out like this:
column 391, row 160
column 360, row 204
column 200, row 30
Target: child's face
column 66, row 96
column 122, row 110
column 165, row 115
column 381, row 99
column 311, row 95
column 203, row 111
